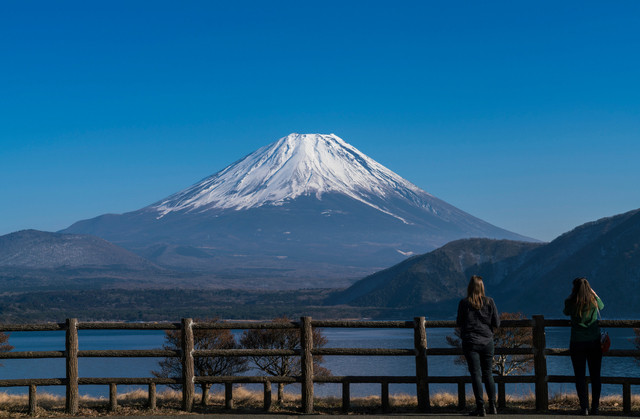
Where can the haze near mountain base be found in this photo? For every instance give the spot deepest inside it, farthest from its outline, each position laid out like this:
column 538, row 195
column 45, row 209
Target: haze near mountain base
column 305, row 206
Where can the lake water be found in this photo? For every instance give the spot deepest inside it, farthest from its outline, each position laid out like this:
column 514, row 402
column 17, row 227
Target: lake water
column 339, row 365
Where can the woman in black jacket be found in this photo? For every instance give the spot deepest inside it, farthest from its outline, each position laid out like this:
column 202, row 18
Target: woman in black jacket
column 477, row 319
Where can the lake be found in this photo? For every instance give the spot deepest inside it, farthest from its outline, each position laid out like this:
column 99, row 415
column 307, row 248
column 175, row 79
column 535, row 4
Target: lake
column 339, row 365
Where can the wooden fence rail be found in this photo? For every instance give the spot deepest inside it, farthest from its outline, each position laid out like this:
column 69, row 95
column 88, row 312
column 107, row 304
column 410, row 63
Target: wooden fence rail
column 421, row 352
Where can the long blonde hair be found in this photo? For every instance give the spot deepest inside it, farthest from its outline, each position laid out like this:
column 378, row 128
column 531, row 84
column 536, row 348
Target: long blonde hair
column 582, row 296
column 475, row 292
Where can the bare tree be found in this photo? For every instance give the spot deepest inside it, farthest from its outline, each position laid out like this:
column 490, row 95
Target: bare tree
column 4, row 343
column 282, row 365
column 203, row 366
column 504, row 337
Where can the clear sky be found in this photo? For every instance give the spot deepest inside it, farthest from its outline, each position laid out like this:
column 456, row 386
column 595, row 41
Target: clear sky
column 523, row 113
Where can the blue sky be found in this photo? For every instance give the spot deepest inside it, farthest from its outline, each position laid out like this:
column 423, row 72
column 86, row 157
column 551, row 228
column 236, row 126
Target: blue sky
column 525, row 114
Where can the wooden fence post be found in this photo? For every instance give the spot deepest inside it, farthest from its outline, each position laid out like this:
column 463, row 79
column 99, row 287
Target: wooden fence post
column 267, row 396
column 113, row 397
column 540, row 364
column 152, row 396
column 188, row 374
column 228, row 396
column 462, row 396
column 422, row 369
column 33, row 400
column 384, row 396
column 626, row 398
column 71, row 351
column 306, row 359
column 346, row 397
column 502, row 395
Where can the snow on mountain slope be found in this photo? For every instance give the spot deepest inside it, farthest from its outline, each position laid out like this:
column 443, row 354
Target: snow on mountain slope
column 307, row 205
column 296, row 165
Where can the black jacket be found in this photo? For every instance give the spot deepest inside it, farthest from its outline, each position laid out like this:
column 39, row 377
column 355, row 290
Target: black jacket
column 476, row 326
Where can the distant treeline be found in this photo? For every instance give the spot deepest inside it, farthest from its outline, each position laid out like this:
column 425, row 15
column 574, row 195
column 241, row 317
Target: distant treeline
column 169, row 304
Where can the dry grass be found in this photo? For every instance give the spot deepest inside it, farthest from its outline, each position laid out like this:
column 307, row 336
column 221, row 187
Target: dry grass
column 608, row 404
column 245, row 401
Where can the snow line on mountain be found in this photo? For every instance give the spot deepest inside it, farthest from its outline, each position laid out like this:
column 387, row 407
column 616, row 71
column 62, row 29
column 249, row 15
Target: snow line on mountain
column 296, row 165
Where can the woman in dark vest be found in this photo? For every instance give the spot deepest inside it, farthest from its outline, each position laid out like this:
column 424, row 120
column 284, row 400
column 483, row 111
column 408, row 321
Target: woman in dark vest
column 477, row 319
column 583, row 305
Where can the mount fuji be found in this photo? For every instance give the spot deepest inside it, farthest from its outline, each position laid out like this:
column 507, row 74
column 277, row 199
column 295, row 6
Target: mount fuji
column 308, row 206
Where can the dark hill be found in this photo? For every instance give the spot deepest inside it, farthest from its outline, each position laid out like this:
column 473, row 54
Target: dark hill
column 606, row 252
column 527, row 277
column 43, row 250
column 37, row 260
column 433, row 278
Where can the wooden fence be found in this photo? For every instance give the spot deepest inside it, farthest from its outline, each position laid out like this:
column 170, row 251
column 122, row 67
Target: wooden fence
column 421, row 352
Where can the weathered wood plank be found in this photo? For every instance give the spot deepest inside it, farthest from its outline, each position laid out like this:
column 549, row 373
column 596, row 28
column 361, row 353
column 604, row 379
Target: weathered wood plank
column 502, row 395
column 33, row 400
column 32, row 354
column 243, row 379
column 153, row 399
column 267, row 396
column 228, row 396
column 26, row 382
column 540, row 364
column 126, row 380
column 605, row 380
column 498, row 351
column 129, row 353
column 462, row 396
column 188, row 388
column 245, row 352
column 624, row 353
column 128, row 326
column 364, row 352
column 39, row 327
column 361, row 324
column 71, row 363
column 370, row 379
column 113, row 397
column 620, row 323
column 246, row 325
column 626, row 398
column 346, row 397
column 306, row 361
column 384, row 397
column 422, row 367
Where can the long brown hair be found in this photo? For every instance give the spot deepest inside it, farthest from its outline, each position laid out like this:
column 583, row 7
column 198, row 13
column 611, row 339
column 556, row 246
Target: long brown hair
column 582, row 296
column 475, row 292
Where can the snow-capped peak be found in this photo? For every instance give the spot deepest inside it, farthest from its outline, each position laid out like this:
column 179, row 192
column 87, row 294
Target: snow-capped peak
column 296, row 165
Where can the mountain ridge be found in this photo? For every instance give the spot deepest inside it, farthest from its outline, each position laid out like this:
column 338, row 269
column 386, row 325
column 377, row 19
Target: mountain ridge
column 307, row 205
column 527, row 277
column 36, row 249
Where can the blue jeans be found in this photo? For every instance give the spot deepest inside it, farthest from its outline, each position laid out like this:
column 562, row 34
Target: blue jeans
column 480, row 363
column 583, row 353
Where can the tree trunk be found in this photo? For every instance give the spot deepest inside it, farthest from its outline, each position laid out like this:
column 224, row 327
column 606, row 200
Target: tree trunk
column 205, row 393
column 280, row 393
